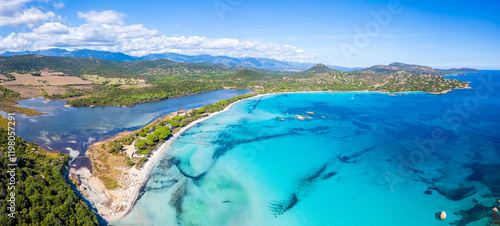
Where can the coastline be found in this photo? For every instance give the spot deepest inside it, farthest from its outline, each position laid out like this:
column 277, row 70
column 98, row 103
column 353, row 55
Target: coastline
column 139, row 178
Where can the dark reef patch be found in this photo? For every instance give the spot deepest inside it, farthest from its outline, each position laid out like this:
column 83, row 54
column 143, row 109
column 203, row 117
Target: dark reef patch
column 367, row 119
column 455, row 194
column 362, row 125
column 192, row 133
column 283, row 206
column 160, row 184
column 194, row 178
column 176, row 200
column 165, row 164
column 319, row 128
column 488, row 174
column 200, row 124
column 476, row 176
column 328, row 175
column 495, row 219
column 345, row 159
column 305, row 185
column 316, row 174
column 475, row 213
column 255, row 105
column 315, row 130
column 225, row 145
column 350, row 158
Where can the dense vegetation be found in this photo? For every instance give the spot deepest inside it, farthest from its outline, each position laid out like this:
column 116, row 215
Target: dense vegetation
column 148, row 138
column 71, row 92
column 94, row 66
column 43, row 197
column 432, row 84
column 165, row 79
column 113, row 95
column 7, row 93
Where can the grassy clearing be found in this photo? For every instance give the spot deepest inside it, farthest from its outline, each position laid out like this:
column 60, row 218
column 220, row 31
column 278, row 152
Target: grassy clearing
column 46, row 152
column 108, row 182
column 3, row 122
column 107, row 166
column 10, row 107
column 114, row 81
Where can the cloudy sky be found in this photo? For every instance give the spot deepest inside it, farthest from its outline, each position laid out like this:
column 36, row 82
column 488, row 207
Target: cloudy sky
column 440, row 34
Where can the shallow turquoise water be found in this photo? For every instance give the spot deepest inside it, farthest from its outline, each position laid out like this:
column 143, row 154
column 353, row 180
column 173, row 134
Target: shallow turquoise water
column 359, row 159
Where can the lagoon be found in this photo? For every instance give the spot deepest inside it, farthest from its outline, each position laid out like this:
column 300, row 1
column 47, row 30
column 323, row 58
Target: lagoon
column 71, row 129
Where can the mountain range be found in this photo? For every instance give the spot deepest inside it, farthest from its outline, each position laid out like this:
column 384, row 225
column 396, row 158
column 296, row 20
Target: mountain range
column 261, row 63
column 256, row 63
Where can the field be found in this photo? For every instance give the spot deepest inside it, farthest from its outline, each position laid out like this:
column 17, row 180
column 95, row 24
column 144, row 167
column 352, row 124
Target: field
column 126, row 82
column 36, row 91
column 46, row 79
column 45, row 83
column 52, row 83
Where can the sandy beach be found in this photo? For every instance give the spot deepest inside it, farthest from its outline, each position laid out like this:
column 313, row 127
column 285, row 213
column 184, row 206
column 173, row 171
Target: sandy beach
column 114, row 205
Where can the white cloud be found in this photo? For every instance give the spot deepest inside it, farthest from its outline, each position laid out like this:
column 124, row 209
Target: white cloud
column 106, row 31
column 104, row 17
column 59, row 5
column 14, row 43
column 201, row 45
column 14, row 13
column 11, row 7
column 52, row 28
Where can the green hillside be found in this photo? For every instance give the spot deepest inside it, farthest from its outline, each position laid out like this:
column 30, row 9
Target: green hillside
column 42, row 195
column 163, row 79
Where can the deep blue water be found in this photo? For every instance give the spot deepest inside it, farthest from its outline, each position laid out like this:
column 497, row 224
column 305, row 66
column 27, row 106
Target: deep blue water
column 362, row 158
column 70, row 129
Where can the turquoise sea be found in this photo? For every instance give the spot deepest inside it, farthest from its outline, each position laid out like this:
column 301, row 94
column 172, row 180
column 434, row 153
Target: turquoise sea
column 356, row 158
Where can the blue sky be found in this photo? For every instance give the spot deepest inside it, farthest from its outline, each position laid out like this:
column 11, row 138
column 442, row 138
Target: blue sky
column 440, row 34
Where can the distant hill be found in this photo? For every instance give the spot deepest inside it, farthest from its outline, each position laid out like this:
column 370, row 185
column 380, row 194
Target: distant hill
column 319, row 69
column 459, row 70
column 83, row 53
column 246, row 62
column 262, row 63
column 165, row 78
column 396, row 67
column 80, row 66
column 401, row 67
